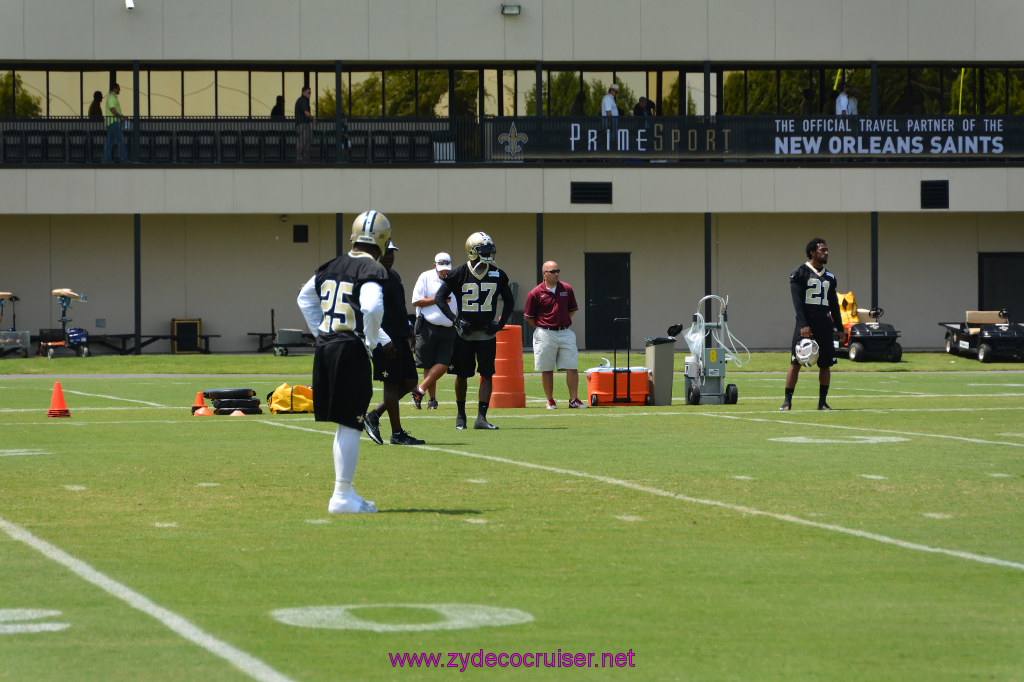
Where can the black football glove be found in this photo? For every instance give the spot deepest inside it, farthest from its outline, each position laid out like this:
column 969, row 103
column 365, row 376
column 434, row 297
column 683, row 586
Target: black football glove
column 493, row 327
column 462, row 327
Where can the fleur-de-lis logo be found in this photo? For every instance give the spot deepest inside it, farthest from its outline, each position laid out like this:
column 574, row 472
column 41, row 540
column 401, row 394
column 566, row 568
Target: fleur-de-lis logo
column 513, row 140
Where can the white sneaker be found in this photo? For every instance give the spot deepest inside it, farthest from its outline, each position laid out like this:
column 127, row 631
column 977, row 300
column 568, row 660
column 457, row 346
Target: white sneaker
column 578, row 404
column 552, row 405
column 350, row 503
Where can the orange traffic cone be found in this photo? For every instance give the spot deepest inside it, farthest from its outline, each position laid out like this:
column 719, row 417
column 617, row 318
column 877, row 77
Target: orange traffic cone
column 203, row 412
column 57, row 406
column 199, row 403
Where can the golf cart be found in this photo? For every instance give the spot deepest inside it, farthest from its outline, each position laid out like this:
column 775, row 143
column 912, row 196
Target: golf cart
column 989, row 333
column 862, row 340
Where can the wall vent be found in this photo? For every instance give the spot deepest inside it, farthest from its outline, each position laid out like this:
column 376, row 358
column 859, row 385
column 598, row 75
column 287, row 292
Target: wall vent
column 590, row 193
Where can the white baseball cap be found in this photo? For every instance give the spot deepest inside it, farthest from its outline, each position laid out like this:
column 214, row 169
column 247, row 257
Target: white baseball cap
column 442, row 259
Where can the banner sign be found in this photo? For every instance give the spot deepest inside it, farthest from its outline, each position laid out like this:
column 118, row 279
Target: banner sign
column 760, row 137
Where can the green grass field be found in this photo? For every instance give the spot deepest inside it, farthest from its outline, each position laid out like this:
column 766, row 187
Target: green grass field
column 881, row 541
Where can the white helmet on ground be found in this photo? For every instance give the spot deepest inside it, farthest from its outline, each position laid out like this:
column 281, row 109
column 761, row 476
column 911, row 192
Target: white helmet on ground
column 806, row 352
column 371, row 227
column 481, row 247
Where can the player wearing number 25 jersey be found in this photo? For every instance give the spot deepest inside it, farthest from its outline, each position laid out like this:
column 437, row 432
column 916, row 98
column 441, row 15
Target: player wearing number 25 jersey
column 477, row 284
column 343, row 305
column 817, row 313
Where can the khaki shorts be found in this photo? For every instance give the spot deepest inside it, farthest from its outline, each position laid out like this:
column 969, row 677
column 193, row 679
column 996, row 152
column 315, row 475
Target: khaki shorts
column 553, row 349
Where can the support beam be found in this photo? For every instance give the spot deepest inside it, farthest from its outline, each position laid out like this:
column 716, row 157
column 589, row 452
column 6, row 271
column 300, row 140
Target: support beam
column 137, row 232
column 339, row 234
column 874, row 259
column 540, row 247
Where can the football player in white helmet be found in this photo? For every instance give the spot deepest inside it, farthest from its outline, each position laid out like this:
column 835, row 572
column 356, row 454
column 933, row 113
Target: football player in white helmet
column 816, row 303
column 343, row 305
column 477, row 285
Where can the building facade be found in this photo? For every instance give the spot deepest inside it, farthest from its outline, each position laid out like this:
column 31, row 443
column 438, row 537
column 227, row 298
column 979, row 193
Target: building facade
column 721, row 198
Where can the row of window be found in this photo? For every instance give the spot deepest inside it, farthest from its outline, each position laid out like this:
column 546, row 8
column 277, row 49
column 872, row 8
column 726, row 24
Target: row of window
column 897, row 90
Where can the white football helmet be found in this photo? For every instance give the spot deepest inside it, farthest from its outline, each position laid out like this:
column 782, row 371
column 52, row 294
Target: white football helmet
column 481, row 247
column 371, row 227
column 806, row 352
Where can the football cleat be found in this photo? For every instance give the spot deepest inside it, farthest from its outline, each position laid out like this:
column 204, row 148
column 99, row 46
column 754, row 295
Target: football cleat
column 371, row 424
column 578, row 404
column 481, row 247
column 806, row 352
column 432, row 404
column 824, row 407
column 350, row 503
column 460, row 423
column 417, row 397
column 482, row 423
column 372, row 227
column 403, row 437
column 786, row 407
column 553, row 406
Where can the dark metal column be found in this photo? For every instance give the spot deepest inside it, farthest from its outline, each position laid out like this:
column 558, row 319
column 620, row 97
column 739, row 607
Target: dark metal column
column 339, row 234
column 707, row 90
column 707, row 264
column 338, row 142
column 136, row 137
column 874, row 259
column 540, row 89
column 540, row 246
column 874, row 88
column 138, row 282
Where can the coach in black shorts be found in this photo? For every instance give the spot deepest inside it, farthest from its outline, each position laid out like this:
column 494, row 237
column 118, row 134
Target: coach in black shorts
column 476, row 284
column 393, row 363
column 816, row 303
column 343, row 305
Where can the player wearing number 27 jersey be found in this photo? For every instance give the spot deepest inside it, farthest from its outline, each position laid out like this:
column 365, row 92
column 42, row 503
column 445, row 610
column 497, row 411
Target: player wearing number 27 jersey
column 477, row 285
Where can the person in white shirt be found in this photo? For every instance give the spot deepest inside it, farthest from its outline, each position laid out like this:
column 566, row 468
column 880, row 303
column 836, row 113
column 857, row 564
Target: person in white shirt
column 435, row 336
column 843, row 101
column 854, row 94
column 609, row 108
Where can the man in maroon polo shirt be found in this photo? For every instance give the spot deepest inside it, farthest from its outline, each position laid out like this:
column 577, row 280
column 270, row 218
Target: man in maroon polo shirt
column 550, row 307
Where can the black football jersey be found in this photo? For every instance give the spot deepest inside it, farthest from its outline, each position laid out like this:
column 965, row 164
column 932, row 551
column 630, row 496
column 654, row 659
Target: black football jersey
column 396, row 318
column 338, row 283
column 476, row 296
column 814, row 297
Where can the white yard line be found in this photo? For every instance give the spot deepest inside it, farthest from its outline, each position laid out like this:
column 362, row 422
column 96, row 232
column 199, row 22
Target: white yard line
column 112, row 397
column 968, row 556
column 862, row 429
column 253, row 667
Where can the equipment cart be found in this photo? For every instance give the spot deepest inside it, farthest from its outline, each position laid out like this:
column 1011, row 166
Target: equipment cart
column 988, row 333
column 12, row 341
column 863, row 340
column 76, row 340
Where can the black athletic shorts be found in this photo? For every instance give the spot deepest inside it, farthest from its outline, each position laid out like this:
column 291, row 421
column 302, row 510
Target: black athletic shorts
column 821, row 332
column 342, row 387
column 468, row 357
column 398, row 370
column 434, row 343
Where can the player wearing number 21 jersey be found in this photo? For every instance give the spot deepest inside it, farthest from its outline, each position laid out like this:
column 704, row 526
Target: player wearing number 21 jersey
column 816, row 303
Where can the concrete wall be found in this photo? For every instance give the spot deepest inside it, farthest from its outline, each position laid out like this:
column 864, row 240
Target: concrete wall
column 230, row 270
column 551, row 30
column 648, row 189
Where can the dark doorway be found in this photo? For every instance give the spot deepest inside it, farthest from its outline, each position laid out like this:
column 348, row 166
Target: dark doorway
column 607, row 279
column 1000, row 284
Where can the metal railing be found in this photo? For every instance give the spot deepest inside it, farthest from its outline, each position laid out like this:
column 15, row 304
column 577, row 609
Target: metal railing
column 500, row 140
